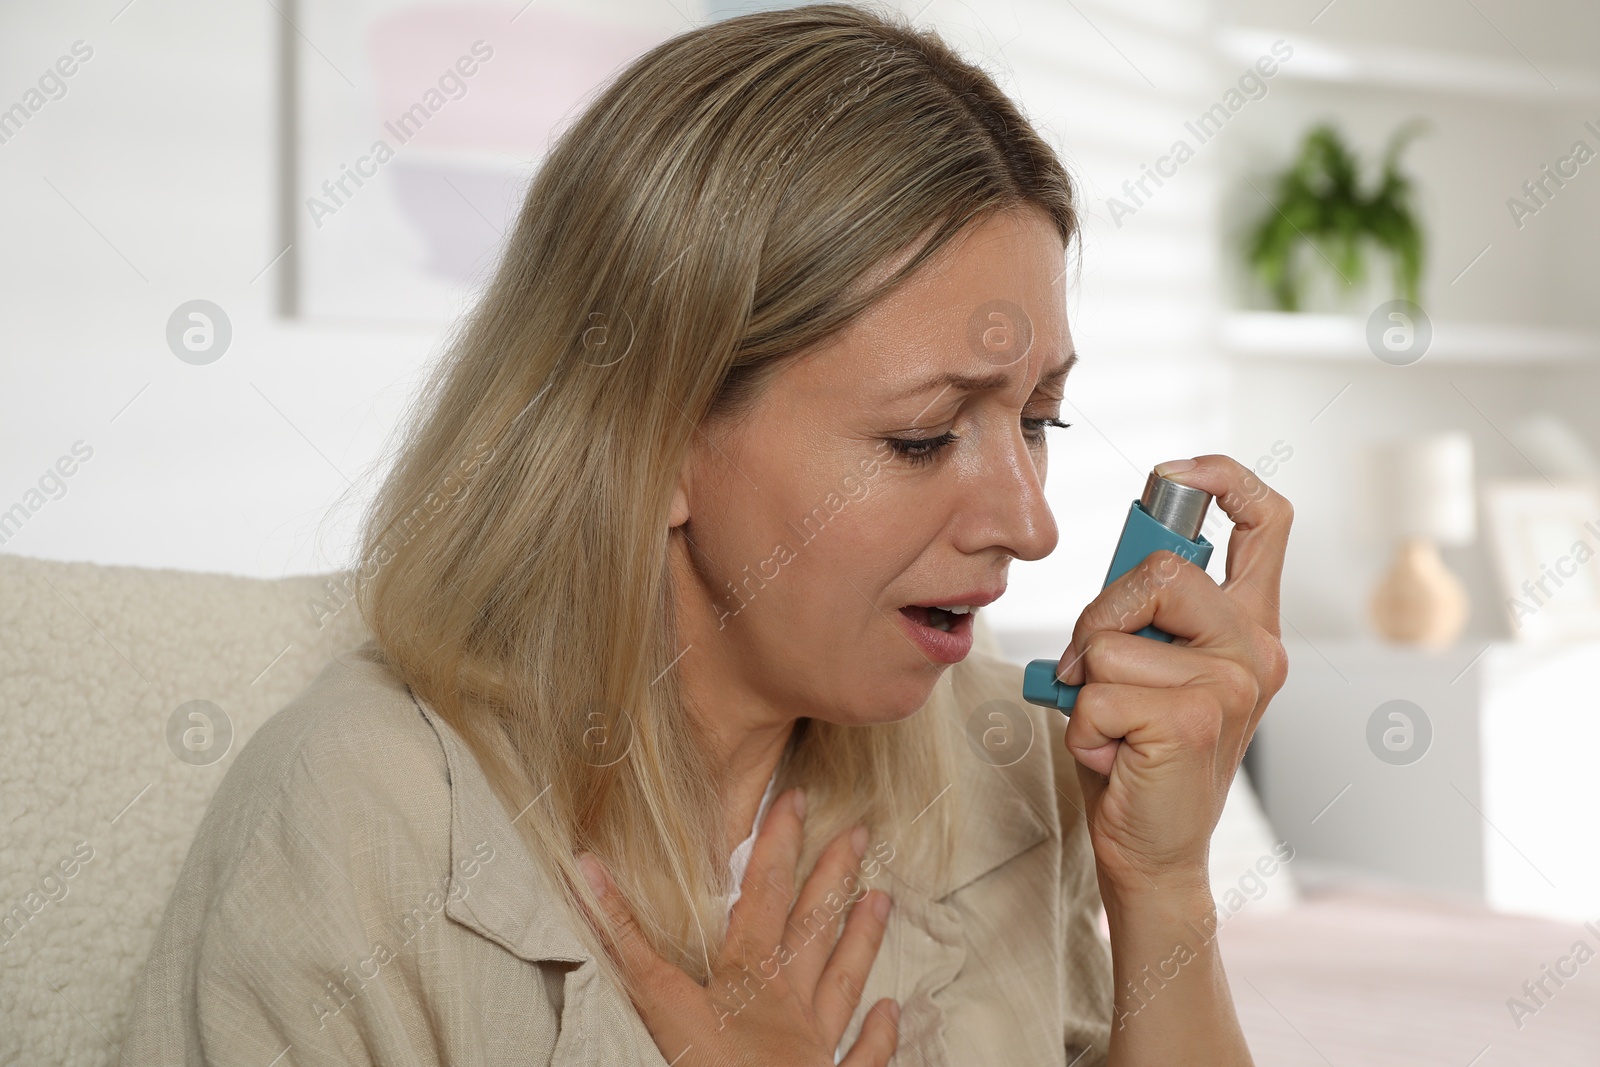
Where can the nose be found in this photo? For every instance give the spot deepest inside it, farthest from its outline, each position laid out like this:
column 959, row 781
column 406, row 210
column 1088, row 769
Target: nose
column 1005, row 504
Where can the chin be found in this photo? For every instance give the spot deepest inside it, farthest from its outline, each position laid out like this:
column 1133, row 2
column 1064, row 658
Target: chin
column 896, row 700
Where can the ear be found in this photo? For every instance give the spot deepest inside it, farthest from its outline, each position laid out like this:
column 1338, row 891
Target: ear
column 678, row 513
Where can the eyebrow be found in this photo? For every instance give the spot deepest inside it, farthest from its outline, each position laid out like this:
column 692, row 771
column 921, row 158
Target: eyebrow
column 979, row 382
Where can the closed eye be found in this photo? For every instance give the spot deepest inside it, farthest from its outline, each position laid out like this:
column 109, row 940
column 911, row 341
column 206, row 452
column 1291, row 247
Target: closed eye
column 1033, row 429
column 923, row 450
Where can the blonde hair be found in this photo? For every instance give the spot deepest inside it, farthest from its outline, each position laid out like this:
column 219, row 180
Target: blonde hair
column 716, row 209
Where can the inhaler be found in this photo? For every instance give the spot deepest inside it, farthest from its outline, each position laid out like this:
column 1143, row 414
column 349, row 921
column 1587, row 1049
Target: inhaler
column 1166, row 516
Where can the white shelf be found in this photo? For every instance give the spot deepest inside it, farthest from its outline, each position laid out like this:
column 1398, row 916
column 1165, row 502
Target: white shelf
column 1287, row 335
column 1426, row 70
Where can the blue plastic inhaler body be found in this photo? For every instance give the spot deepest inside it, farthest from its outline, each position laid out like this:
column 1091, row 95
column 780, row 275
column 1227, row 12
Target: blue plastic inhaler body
column 1167, row 516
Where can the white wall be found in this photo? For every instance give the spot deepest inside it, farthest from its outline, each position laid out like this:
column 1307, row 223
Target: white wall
column 147, row 185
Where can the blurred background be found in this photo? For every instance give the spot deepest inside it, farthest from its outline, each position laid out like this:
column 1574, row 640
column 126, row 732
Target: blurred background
column 1350, row 243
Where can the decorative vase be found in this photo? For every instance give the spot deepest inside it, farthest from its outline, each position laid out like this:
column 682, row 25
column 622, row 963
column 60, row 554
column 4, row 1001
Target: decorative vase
column 1324, row 292
column 1419, row 601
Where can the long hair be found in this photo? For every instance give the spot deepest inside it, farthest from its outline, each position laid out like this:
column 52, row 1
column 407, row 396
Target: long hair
column 717, row 209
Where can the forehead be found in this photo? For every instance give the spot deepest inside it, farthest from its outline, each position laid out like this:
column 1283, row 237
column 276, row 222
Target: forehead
column 991, row 301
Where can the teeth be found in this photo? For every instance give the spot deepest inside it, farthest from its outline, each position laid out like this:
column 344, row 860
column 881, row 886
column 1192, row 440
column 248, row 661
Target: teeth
column 959, row 609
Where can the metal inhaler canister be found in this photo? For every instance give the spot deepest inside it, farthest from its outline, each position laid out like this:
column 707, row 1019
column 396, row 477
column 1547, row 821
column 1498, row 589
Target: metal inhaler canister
column 1167, row 516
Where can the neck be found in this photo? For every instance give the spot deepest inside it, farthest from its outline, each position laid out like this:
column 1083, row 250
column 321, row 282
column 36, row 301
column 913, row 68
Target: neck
column 750, row 768
column 745, row 732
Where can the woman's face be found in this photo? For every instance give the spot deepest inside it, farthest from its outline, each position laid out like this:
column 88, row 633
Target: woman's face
column 897, row 469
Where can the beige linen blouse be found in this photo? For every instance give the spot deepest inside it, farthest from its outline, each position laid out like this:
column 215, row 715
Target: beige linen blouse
column 356, row 894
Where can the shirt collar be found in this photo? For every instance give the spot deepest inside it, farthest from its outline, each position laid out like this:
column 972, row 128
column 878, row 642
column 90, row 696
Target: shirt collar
column 979, row 700
column 504, row 900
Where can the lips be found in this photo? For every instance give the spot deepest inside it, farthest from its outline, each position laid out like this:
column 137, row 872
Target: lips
column 942, row 628
column 943, row 637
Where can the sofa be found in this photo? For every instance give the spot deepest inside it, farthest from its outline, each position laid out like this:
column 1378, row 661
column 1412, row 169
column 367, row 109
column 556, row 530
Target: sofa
column 124, row 693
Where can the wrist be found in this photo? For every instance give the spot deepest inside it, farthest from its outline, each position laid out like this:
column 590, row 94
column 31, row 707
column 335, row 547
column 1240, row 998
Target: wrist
column 1181, row 891
column 1171, row 1001
column 1160, row 911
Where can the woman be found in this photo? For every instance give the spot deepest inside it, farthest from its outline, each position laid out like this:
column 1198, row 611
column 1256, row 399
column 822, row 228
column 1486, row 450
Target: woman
column 665, row 748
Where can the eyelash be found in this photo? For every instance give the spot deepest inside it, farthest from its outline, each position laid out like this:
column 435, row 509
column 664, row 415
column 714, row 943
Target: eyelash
column 921, row 450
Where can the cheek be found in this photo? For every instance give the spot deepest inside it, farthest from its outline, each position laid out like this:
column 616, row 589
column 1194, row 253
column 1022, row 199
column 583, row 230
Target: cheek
column 848, row 565
column 742, row 539
column 833, row 551
column 757, row 528
column 812, row 550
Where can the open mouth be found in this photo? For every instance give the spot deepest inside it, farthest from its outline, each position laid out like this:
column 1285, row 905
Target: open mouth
column 944, row 619
column 943, row 632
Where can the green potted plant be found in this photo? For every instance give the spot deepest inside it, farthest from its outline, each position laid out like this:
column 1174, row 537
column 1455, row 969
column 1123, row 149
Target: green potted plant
column 1319, row 201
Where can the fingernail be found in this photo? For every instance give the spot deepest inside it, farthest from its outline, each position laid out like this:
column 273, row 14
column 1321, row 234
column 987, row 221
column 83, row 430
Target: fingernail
column 1173, row 466
column 858, row 841
column 880, row 907
column 800, row 802
column 593, row 873
column 893, row 1011
column 1070, row 658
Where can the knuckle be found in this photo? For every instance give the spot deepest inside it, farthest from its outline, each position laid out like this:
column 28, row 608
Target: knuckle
column 1088, row 710
column 1276, row 659
column 817, row 922
column 1094, row 649
column 627, row 932
column 773, row 879
column 1162, row 565
column 1134, row 591
column 1099, row 653
column 1240, row 687
column 847, row 988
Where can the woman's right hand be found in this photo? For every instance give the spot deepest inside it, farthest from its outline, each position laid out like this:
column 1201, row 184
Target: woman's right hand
column 782, row 989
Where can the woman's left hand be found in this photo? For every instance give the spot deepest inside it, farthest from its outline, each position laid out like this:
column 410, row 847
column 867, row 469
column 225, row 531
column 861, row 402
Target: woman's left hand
column 1159, row 729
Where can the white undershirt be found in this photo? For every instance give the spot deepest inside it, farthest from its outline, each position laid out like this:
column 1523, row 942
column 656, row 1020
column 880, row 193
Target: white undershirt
column 741, row 852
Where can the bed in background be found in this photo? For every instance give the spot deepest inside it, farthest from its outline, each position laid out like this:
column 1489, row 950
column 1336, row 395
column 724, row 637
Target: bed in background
column 1361, row 972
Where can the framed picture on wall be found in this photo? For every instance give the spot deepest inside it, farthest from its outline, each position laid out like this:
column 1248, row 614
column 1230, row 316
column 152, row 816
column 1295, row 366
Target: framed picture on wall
column 1546, row 543
column 409, row 132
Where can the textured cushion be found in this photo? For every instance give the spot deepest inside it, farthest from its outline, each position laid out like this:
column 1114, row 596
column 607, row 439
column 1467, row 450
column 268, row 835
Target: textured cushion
column 98, row 807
